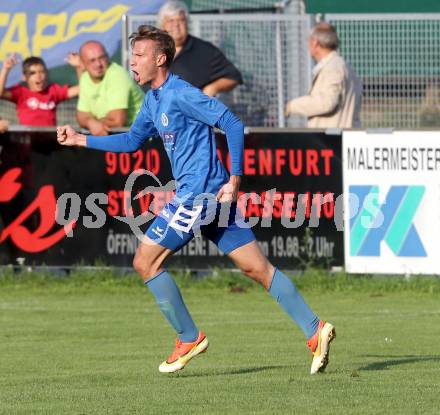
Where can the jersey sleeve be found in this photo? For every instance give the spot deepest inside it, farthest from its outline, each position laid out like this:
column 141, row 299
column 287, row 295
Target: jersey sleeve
column 143, row 126
column 197, row 105
column 234, row 130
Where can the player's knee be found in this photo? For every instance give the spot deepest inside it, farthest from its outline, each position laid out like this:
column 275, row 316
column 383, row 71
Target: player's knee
column 138, row 265
column 144, row 268
column 260, row 272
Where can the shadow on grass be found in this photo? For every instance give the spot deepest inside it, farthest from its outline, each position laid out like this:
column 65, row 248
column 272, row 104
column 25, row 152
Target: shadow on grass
column 243, row 371
column 396, row 361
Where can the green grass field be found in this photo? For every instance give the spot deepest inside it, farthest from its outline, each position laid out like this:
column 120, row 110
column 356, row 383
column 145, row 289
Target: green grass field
column 91, row 344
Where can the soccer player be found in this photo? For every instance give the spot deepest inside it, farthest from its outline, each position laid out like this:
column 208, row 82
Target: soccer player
column 184, row 118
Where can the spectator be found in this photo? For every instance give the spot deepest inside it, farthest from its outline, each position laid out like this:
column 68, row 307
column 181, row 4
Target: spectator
column 37, row 100
column 198, row 62
column 108, row 95
column 334, row 100
column 3, row 126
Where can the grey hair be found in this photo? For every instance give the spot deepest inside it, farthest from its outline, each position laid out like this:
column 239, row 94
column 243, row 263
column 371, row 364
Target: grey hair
column 326, row 35
column 171, row 8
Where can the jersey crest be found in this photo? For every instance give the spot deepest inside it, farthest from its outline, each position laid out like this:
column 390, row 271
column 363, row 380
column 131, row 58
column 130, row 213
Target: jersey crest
column 169, row 140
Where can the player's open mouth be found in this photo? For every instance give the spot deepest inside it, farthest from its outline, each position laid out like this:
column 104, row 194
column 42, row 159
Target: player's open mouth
column 135, row 76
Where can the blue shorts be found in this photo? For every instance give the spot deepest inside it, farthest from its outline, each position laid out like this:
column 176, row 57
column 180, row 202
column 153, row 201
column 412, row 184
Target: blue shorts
column 221, row 223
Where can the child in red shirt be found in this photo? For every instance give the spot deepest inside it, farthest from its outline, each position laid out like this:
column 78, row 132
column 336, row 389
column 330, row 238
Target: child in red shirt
column 36, row 102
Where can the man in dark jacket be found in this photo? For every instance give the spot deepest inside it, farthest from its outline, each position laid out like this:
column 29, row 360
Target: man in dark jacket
column 198, row 62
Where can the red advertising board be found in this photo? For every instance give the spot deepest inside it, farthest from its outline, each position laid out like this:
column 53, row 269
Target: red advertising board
column 290, row 190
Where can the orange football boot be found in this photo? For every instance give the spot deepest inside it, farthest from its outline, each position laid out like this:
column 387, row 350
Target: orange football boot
column 319, row 344
column 183, row 353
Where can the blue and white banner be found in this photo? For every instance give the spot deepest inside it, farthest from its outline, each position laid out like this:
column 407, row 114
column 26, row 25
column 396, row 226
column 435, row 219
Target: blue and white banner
column 53, row 28
column 391, row 202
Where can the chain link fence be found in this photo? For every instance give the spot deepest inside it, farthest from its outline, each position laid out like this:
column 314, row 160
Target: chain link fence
column 270, row 50
column 398, row 58
column 396, row 55
column 202, row 5
column 296, row 6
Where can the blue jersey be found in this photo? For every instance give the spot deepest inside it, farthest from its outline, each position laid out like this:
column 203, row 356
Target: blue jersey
column 183, row 116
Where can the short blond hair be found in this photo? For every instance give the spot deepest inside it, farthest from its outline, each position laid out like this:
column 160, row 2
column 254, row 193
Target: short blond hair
column 164, row 42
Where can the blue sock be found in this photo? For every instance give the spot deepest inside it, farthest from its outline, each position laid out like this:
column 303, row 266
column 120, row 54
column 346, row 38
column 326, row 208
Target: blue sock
column 171, row 304
column 286, row 294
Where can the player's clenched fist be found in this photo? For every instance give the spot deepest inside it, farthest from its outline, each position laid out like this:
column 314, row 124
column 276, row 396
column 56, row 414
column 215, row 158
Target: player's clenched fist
column 61, row 134
column 67, row 136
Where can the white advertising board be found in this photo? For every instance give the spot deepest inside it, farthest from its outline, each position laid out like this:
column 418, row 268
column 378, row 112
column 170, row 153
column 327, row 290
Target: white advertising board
column 392, row 202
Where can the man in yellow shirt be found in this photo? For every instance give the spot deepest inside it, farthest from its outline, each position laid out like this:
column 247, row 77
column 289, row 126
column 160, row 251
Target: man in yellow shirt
column 108, row 96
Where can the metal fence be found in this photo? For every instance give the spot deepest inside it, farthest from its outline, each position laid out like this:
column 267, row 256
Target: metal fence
column 201, row 5
column 396, row 55
column 269, row 49
column 398, row 59
column 205, row 6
